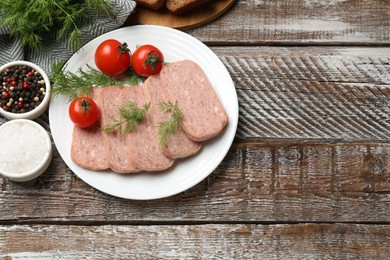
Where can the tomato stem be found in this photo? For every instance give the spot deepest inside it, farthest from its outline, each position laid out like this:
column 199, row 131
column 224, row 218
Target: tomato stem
column 85, row 105
column 152, row 60
column 124, row 48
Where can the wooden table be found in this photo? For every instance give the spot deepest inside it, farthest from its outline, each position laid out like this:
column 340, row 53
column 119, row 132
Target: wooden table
column 308, row 174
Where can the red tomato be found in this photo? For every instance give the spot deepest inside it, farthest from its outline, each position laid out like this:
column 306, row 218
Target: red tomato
column 112, row 57
column 147, row 60
column 83, row 112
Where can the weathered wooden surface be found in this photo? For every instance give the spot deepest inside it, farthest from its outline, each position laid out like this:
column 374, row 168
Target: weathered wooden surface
column 258, row 182
column 300, row 22
column 303, row 152
column 242, row 241
column 308, row 175
column 337, row 94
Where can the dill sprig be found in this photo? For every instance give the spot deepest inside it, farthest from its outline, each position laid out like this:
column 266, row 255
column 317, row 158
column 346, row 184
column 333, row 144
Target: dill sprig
column 173, row 124
column 82, row 82
column 129, row 115
column 31, row 19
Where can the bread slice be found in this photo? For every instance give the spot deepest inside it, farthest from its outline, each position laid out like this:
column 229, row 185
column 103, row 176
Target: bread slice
column 152, row 4
column 182, row 6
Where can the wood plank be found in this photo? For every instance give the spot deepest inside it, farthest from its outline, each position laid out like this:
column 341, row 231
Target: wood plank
column 261, row 182
column 251, row 241
column 276, row 22
column 334, row 94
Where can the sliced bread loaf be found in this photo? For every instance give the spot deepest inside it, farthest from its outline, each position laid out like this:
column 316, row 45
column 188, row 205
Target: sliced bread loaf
column 182, row 6
column 152, row 4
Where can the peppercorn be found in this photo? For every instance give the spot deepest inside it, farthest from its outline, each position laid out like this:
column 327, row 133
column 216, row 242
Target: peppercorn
column 22, row 89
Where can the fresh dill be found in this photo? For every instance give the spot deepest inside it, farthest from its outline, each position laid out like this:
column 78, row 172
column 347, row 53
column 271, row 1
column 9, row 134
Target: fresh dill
column 129, row 115
column 31, row 19
column 82, row 82
column 173, row 124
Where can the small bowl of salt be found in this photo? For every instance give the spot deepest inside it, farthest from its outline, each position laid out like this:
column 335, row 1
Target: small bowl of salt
column 25, row 150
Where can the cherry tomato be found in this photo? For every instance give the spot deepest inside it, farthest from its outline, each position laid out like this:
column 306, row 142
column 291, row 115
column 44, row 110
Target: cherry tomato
column 147, row 60
column 112, row 57
column 83, row 112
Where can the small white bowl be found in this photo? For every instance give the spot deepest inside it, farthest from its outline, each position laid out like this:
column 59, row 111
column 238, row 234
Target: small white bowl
column 25, row 150
column 41, row 108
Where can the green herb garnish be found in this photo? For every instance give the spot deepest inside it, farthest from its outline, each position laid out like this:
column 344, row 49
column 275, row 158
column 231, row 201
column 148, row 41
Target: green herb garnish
column 129, row 115
column 82, row 82
column 32, row 19
column 172, row 125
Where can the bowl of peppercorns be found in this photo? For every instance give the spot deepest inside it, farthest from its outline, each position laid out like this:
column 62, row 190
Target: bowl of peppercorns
column 25, row 90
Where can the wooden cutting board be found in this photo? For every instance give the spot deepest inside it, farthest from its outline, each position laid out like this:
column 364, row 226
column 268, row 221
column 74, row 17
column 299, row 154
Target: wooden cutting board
column 192, row 19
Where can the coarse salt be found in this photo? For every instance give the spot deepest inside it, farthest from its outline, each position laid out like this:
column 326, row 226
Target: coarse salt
column 24, row 147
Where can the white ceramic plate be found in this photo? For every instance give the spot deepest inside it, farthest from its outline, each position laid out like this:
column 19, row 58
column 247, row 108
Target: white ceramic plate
column 175, row 45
